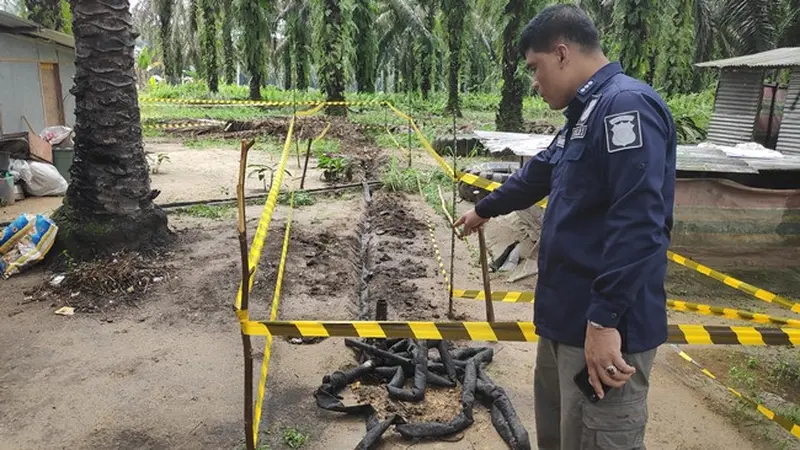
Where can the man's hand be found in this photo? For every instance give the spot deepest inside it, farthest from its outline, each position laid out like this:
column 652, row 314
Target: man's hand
column 471, row 221
column 603, row 348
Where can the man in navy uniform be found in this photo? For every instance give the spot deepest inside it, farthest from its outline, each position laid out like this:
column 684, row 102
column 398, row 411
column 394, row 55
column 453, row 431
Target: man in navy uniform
column 610, row 177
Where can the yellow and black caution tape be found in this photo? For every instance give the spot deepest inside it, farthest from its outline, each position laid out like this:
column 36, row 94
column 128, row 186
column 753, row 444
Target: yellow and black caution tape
column 228, row 102
column 474, row 180
column 432, row 233
column 402, row 149
column 269, row 207
column 262, row 382
column 677, row 305
column 761, row 294
column 508, row 331
column 174, row 125
column 322, row 134
column 758, row 293
column 731, row 313
column 266, row 215
column 785, row 423
column 468, row 178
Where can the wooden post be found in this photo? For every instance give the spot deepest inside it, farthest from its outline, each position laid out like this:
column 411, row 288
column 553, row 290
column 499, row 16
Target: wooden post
column 409, row 144
column 305, row 166
column 487, row 289
column 247, row 345
column 453, row 231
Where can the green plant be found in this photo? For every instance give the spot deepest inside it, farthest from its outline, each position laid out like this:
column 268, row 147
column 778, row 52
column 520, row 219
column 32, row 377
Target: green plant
column 335, row 167
column 261, row 170
column 156, row 160
column 294, row 439
column 743, row 377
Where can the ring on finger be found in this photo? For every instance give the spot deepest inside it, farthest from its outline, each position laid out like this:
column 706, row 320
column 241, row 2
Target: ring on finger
column 611, row 370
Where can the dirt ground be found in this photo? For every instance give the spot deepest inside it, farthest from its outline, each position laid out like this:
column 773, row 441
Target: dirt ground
column 192, row 174
column 165, row 371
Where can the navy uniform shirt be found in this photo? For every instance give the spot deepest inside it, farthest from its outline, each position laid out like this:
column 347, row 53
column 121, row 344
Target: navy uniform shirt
column 610, row 175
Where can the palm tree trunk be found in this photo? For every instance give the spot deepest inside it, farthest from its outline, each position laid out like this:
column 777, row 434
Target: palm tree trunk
column 287, row 68
column 456, row 11
column 109, row 205
column 254, row 34
column 302, row 37
column 426, row 63
column 227, row 42
column 366, row 44
column 210, row 53
column 509, row 112
column 165, row 33
column 332, row 68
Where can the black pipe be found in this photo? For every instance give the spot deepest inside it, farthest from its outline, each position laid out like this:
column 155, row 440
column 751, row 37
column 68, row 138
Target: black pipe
column 372, row 184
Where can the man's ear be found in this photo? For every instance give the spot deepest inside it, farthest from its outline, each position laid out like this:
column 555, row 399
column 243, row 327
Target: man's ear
column 562, row 53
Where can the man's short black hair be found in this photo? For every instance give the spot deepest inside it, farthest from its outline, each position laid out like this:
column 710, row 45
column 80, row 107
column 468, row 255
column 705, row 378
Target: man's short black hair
column 559, row 22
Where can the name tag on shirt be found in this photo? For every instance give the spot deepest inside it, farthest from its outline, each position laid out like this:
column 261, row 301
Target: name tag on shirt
column 561, row 141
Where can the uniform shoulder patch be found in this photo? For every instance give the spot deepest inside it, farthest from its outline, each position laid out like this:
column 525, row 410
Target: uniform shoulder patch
column 623, row 131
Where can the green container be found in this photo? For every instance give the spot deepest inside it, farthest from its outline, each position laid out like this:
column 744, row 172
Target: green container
column 62, row 159
column 6, row 190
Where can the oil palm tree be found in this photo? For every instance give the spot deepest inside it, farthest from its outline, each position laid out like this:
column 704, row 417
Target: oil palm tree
column 109, row 204
column 256, row 30
column 331, row 45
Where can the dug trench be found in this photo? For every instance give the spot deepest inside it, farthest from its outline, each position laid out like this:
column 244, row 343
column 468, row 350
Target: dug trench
column 391, row 263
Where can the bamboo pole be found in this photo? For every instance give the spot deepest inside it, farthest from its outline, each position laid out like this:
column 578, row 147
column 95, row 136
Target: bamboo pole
column 247, row 345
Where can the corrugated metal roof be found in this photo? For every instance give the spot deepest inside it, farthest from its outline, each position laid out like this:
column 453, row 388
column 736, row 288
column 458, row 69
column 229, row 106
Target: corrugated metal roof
column 15, row 23
column 690, row 158
column 10, row 23
column 789, row 134
column 736, row 106
column 781, row 57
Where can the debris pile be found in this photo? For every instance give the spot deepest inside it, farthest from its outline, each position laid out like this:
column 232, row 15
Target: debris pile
column 102, row 284
column 394, row 361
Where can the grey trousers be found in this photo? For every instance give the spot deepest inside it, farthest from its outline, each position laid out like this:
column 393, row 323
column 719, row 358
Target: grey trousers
column 566, row 420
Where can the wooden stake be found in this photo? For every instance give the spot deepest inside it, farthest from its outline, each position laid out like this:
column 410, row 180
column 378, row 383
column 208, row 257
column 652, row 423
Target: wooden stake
column 305, row 166
column 487, row 289
column 450, row 310
column 409, row 144
column 247, row 345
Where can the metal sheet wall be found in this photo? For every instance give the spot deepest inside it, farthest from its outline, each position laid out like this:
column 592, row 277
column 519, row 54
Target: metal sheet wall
column 736, row 105
column 789, row 134
column 20, row 85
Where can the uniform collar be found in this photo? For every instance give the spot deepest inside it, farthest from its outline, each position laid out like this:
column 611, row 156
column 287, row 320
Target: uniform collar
column 592, row 85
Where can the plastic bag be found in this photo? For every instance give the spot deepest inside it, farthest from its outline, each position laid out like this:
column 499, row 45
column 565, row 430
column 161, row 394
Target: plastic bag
column 21, row 170
column 25, row 242
column 57, row 135
column 45, row 180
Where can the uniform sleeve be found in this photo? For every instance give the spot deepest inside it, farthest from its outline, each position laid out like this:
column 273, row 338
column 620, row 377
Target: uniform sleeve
column 635, row 140
column 522, row 189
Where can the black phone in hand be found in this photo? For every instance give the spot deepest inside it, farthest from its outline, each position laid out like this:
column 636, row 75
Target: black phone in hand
column 582, row 381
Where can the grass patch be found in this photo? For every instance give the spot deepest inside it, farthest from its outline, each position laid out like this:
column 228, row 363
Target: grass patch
column 294, row 439
column 215, row 212
column 397, row 177
column 326, row 146
column 301, row 198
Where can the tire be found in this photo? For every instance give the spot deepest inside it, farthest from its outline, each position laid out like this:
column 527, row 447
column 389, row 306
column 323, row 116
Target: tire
column 499, row 171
